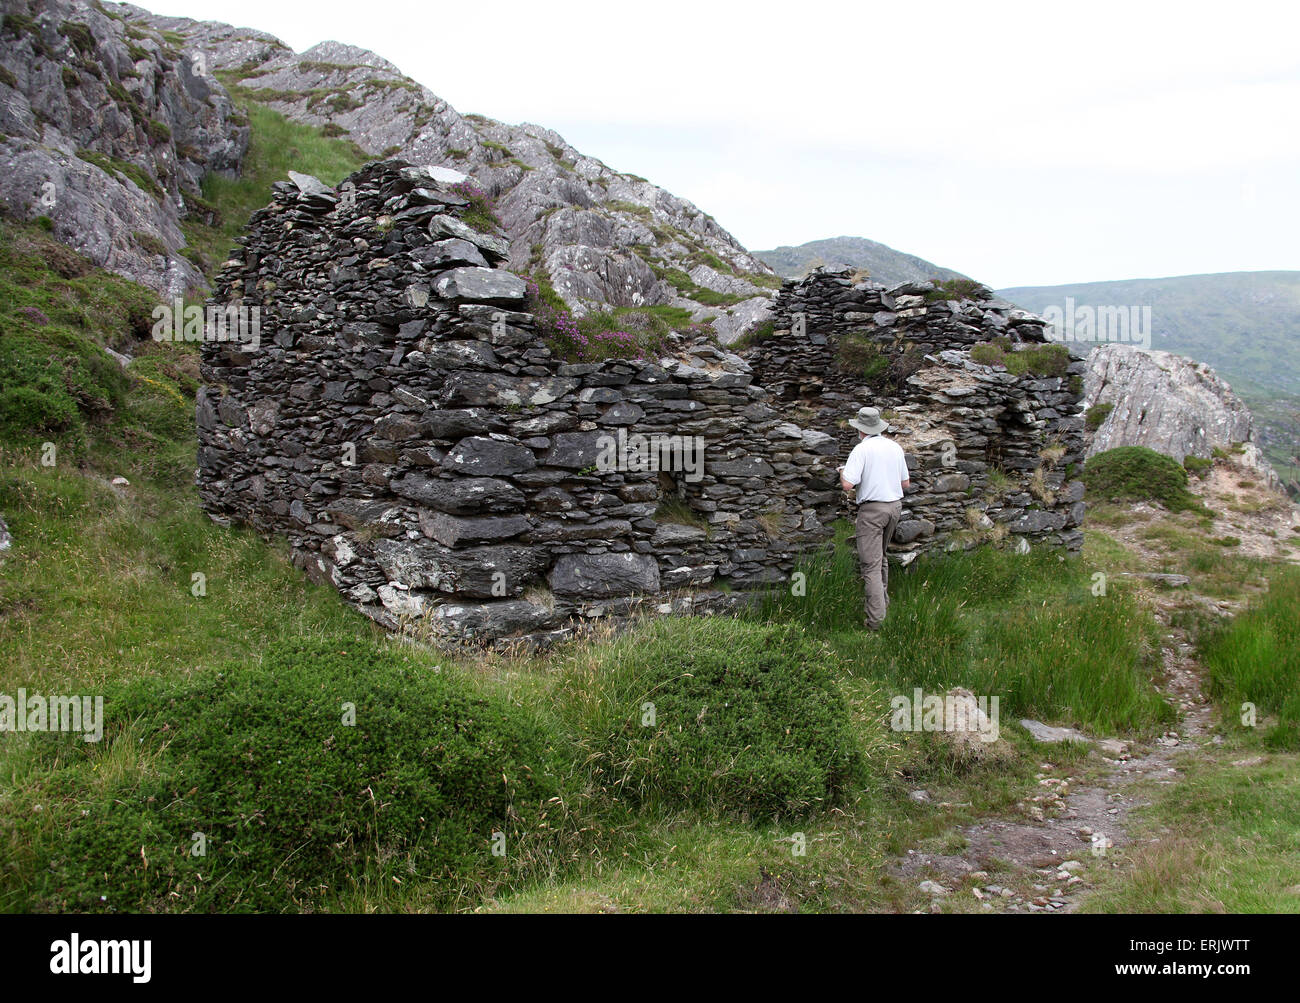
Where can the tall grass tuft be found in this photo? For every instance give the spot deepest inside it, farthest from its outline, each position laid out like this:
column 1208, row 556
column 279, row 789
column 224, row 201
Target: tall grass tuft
column 1255, row 658
column 1026, row 628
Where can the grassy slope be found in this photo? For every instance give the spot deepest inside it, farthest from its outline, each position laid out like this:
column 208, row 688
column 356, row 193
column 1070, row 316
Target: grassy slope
column 97, row 589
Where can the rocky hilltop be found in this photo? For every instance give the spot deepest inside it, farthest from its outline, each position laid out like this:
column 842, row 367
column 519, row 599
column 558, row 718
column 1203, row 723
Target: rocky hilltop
column 1170, row 404
column 601, row 237
column 107, row 128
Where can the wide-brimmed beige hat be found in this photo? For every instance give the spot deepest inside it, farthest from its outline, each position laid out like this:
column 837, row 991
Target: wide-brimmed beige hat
column 869, row 421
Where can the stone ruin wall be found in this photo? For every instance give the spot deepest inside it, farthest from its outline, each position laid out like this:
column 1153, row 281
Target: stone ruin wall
column 403, row 426
column 957, row 420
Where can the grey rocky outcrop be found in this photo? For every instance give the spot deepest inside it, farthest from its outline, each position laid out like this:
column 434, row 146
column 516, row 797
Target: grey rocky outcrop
column 107, row 127
column 601, row 237
column 1168, row 403
column 405, row 427
column 991, row 454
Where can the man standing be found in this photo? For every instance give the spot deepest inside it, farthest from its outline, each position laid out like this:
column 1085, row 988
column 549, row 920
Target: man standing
column 877, row 468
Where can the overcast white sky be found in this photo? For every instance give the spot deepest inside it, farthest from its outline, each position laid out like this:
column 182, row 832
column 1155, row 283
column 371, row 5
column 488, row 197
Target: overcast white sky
column 1022, row 143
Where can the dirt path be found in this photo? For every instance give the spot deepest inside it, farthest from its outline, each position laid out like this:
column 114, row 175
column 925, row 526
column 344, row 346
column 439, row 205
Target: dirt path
column 1039, row 861
column 1040, row 858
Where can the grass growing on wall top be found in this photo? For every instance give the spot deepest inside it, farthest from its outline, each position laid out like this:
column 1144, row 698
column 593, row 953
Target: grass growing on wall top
column 276, row 146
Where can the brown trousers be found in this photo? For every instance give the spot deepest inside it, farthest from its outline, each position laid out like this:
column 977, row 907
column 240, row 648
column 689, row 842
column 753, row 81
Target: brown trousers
column 875, row 526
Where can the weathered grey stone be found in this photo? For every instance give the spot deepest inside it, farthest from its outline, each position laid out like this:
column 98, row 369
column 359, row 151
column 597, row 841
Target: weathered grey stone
column 493, row 456
column 476, row 621
column 501, row 390
column 481, row 284
column 460, row 495
column 456, row 423
column 477, row 572
column 910, row 529
column 1046, row 733
column 951, row 482
column 577, row 450
column 1038, row 522
column 601, row 576
column 749, row 466
column 1167, row 403
column 455, row 531
column 449, row 254
column 672, row 534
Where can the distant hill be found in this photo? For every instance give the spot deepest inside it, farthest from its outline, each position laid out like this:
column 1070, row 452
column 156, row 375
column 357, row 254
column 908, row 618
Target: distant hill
column 882, row 262
column 1244, row 324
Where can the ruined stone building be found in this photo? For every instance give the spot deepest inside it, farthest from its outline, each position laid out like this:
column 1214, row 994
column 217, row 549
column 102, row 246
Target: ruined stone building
column 404, row 426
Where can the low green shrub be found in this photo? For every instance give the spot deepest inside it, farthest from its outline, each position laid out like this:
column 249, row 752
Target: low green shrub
column 52, row 383
column 1096, row 416
column 718, row 715
column 295, row 804
column 1135, row 473
column 150, row 243
column 1036, row 360
column 756, row 335
column 956, row 289
column 859, row 355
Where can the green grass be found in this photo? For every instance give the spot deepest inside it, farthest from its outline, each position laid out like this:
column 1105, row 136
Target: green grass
column 1096, row 415
column 675, row 510
column 1038, row 360
column 861, row 356
column 1256, row 658
column 276, row 146
column 685, row 285
column 759, row 334
column 57, row 314
column 632, row 208
column 1025, row 628
column 954, row 289
column 122, row 169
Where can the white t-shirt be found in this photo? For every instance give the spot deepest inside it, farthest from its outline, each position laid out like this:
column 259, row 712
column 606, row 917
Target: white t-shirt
column 878, row 467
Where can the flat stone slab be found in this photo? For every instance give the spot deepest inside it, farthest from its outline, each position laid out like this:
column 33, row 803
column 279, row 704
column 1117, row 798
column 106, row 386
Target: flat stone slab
column 1169, row 581
column 481, row 284
column 1046, row 733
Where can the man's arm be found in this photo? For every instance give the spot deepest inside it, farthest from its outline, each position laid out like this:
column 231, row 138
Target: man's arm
column 851, row 472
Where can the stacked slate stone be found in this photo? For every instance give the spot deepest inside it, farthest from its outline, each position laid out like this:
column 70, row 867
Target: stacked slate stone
column 991, row 453
column 404, row 426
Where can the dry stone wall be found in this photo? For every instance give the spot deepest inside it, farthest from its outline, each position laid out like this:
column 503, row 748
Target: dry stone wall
column 399, row 419
column 992, row 453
